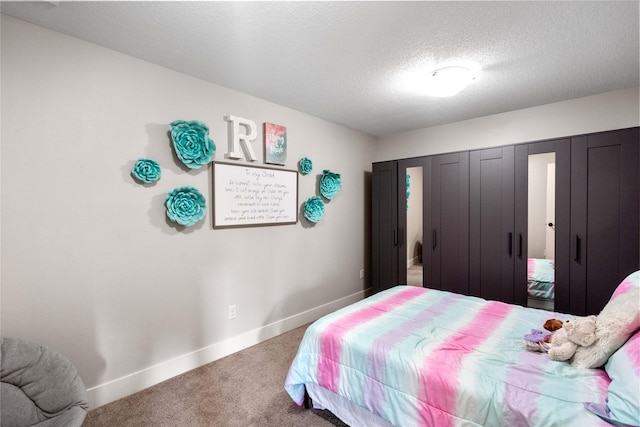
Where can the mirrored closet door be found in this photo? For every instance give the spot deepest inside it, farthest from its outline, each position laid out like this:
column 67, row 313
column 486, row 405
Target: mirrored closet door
column 542, row 223
column 414, row 228
column 541, row 230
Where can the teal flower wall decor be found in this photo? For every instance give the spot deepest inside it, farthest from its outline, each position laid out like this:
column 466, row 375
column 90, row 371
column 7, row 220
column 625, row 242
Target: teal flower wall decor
column 305, row 165
column 314, row 209
column 330, row 184
column 408, row 188
column 192, row 143
column 185, row 206
column 146, row 170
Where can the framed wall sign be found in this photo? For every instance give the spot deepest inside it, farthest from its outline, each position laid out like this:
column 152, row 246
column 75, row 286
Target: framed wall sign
column 248, row 195
column 275, row 144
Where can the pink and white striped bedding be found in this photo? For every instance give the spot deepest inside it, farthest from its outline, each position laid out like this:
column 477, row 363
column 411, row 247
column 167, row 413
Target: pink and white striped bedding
column 420, row 357
column 623, row 367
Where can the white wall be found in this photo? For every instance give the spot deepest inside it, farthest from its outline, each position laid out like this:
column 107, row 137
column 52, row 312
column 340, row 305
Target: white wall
column 607, row 111
column 90, row 264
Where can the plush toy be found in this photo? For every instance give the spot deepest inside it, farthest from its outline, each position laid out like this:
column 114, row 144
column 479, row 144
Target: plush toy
column 574, row 333
column 614, row 325
column 536, row 335
column 552, row 325
column 536, row 340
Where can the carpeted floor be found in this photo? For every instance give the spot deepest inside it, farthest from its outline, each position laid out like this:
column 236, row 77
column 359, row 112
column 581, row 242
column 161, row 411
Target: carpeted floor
column 244, row 389
column 414, row 275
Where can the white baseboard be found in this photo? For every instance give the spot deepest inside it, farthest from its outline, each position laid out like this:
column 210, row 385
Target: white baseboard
column 137, row 381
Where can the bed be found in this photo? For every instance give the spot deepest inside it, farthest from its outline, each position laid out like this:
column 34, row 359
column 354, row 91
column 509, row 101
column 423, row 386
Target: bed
column 411, row 356
column 540, row 278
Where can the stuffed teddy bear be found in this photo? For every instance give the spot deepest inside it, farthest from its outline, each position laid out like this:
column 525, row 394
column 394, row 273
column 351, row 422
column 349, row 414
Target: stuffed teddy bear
column 574, row 333
column 617, row 321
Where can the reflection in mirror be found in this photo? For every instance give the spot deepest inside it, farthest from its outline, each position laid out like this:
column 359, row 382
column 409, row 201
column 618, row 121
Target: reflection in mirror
column 414, row 226
column 541, row 231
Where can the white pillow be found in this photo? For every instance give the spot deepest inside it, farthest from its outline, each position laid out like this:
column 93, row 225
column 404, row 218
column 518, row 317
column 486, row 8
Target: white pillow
column 617, row 321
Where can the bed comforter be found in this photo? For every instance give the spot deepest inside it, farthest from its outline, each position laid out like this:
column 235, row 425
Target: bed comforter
column 540, row 278
column 420, row 357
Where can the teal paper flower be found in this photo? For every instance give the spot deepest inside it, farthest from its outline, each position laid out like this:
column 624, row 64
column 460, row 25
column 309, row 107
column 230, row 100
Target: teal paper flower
column 146, row 170
column 408, row 187
column 330, row 184
column 314, row 209
column 305, row 165
column 192, row 143
column 185, row 206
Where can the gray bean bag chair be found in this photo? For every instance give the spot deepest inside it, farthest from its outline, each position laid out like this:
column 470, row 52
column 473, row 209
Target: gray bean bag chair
column 39, row 387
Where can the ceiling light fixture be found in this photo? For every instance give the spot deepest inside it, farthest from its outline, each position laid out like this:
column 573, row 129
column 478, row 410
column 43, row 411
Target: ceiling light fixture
column 448, row 81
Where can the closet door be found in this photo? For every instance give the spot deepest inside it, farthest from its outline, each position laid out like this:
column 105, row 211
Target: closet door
column 604, row 216
column 406, row 244
column 491, row 223
column 525, row 224
column 384, row 221
column 448, row 220
column 389, row 221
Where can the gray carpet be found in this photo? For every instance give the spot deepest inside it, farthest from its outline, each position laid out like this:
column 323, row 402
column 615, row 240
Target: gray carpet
column 244, row 389
column 414, row 275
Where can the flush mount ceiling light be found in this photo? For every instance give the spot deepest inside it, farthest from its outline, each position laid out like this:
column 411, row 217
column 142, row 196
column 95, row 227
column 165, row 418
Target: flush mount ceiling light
column 448, row 81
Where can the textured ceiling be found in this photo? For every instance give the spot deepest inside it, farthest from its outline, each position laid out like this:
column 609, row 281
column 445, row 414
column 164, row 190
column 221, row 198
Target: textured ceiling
column 360, row 63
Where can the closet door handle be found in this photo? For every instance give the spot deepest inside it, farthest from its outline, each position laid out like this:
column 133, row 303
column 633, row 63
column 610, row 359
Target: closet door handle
column 395, row 237
column 510, row 244
column 434, row 239
column 576, row 253
column 519, row 245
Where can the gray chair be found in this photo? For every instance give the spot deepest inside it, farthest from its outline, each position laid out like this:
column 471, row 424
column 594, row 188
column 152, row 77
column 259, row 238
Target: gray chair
column 39, row 387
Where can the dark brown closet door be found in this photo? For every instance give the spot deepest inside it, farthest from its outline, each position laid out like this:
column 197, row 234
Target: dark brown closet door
column 448, row 241
column 604, row 216
column 384, row 221
column 491, row 223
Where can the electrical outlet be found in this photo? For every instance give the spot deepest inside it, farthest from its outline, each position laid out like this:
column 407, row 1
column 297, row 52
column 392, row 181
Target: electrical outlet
column 232, row 311
column 362, row 274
